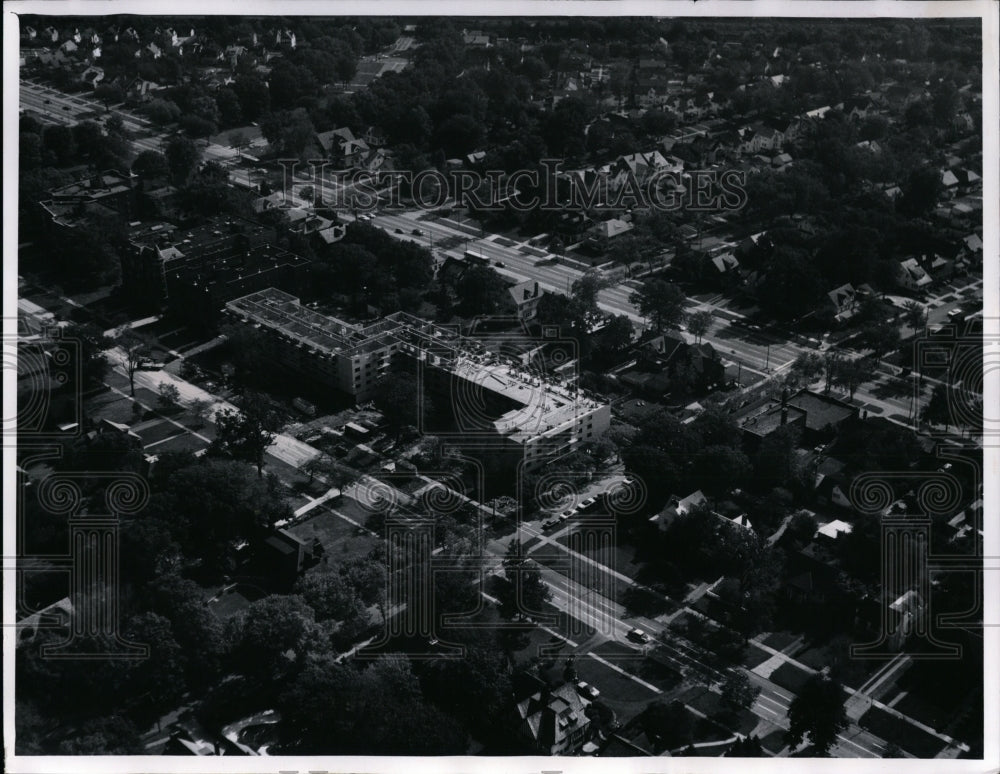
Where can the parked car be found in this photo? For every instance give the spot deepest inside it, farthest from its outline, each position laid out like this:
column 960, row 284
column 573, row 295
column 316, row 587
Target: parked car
column 586, row 689
column 567, row 514
column 638, row 635
column 587, row 503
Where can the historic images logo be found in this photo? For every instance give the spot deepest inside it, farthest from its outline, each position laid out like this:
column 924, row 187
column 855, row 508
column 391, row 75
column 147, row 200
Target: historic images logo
column 546, row 187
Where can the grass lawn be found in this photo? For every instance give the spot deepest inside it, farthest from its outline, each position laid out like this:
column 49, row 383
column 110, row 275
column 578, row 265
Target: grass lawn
column 779, row 640
column 184, row 442
column 620, row 558
column 234, row 600
column 625, row 696
column 158, row 431
column 817, row 658
column 110, row 405
column 340, row 539
column 906, row 735
column 928, row 712
column 854, row 672
column 790, row 677
column 774, row 742
column 755, row 656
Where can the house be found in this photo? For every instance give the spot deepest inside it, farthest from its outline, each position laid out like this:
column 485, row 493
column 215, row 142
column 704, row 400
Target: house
column 553, row 721
column 375, row 136
column 905, row 616
column 341, row 146
column 284, row 556
column 843, row 302
column 58, row 615
column 92, row 76
column 725, row 263
column 476, row 39
column 677, row 506
column 602, row 233
column 672, row 363
column 526, row 296
column 833, row 530
column 911, row 275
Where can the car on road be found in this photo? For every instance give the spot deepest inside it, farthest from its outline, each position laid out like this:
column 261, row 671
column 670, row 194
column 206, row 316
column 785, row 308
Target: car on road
column 589, row 502
column 399, row 231
column 364, row 217
column 417, row 232
column 549, row 524
column 638, row 635
column 586, row 689
column 567, row 514
column 501, row 264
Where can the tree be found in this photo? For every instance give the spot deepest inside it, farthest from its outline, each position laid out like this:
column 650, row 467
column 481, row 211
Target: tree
column 669, row 726
column 920, row 191
column 133, row 348
column 915, row 315
column 586, row 290
column 163, row 112
column 93, row 364
column 112, row 735
column 169, row 395
column 526, row 591
column 662, row 302
column 238, row 141
column 150, row 165
column 254, row 96
column 805, row 369
column 200, row 408
column 938, row 410
column 59, row 141
column 720, row 469
column 401, row 402
column 246, row 434
column 334, row 708
column 267, row 637
column 817, row 713
column 737, row 690
column 155, row 683
column 832, row 362
column 881, row 338
column 332, row 597
column 288, row 131
column 777, row 462
column 182, row 158
column 851, row 374
column 109, row 94
column 793, row 285
column 230, row 112
column 481, row 291
column 698, row 324
column 748, row 747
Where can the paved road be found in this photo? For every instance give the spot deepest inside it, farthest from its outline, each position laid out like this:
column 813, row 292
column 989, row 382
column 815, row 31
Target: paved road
column 61, row 108
column 755, row 349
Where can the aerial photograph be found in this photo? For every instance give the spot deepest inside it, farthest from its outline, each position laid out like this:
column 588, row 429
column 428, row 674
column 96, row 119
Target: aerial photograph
column 498, row 386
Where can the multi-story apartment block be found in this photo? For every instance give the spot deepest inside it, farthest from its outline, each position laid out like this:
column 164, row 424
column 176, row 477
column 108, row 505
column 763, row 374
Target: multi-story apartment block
column 496, row 403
